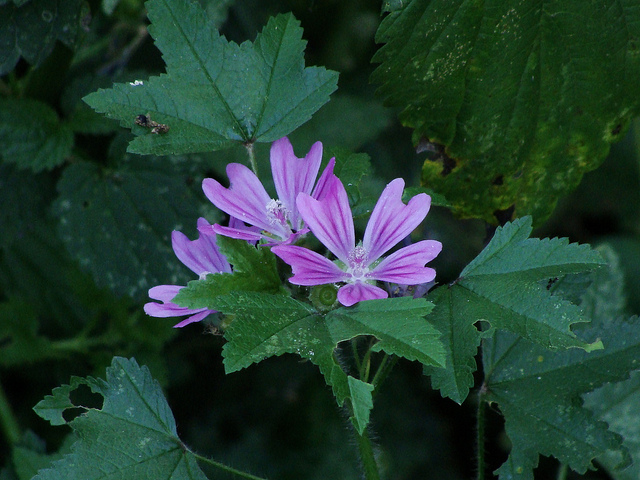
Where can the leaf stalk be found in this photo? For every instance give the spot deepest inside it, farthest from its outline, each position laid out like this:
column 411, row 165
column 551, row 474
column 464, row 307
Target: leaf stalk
column 226, row 468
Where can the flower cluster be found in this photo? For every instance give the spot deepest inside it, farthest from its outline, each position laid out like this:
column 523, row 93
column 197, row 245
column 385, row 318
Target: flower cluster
column 307, row 203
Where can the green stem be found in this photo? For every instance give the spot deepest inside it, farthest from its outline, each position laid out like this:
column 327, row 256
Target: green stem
column 356, row 357
column 367, row 456
column 226, row 468
column 386, row 365
column 252, row 157
column 8, row 420
column 78, row 344
column 481, row 433
column 563, row 471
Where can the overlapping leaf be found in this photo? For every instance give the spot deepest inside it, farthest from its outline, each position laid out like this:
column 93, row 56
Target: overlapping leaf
column 30, row 31
column 501, row 286
column 217, row 93
column 539, row 391
column 268, row 325
column 133, row 403
column 254, row 270
column 32, row 135
column 117, row 223
column 500, row 87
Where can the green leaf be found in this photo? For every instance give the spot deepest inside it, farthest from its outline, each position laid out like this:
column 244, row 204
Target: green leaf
column 267, row 325
column 618, row 404
column 538, row 393
column 33, row 136
column 31, row 30
column 505, row 286
column 21, row 343
column 117, row 223
column 531, row 382
column 24, row 199
column 30, row 458
column 361, row 401
column 134, row 405
column 524, row 97
column 254, row 270
column 454, row 318
column 398, row 323
column 436, row 199
column 217, row 93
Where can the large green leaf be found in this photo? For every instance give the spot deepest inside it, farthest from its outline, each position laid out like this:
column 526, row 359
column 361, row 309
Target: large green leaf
column 32, row 135
column 133, row 436
column 502, row 286
column 215, row 92
column 117, row 223
column 30, row 31
column 539, row 391
column 267, row 325
column 520, row 98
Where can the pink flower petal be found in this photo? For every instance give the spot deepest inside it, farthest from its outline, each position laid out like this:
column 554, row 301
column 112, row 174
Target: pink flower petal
column 239, row 233
column 406, row 266
column 309, row 268
column 293, row 175
column 194, row 318
column 201, row 255
column 245, row 199
column 164, row 293
column 322, row 187
column 330, row 219
column 352, row 293
column 392, row 220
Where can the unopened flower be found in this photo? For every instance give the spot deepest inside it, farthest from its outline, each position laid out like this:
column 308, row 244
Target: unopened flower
column 277, row 220
column 203, row 257
column 360, row 266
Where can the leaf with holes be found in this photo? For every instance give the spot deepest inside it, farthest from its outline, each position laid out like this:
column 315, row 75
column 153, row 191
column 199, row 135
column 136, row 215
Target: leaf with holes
column 133, row 403
column 217, row 93
column 504, row 286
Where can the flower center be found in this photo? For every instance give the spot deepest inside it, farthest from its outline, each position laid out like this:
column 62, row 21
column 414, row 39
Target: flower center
column 278, row 214
column 358, row 268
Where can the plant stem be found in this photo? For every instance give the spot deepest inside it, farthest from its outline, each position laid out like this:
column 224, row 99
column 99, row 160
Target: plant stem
column 367, row 456
column 563, row 471
column 386, row 365
column 8, row 420
column 226, row 468
column 252, row 157
column 480, row 418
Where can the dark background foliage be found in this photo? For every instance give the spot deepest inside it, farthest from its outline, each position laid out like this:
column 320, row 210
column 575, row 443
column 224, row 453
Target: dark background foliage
column 73, row 280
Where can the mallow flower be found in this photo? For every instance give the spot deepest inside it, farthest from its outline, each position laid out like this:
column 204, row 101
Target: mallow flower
column 276, row 220
column 360, row 266
column 202, row 256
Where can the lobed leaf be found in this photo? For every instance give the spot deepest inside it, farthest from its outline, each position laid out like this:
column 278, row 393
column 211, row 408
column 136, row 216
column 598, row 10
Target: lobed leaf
column 31, row 31
column 254, row 270
column 505, row 287
column 217, row 93
column 398, row 323
column 543, row 409
column 116, row 223
column 267, row 325
column 500, row 88
column 32, row 135
column 134, row 405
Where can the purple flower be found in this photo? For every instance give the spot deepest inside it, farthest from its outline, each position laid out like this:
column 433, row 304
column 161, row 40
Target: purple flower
column 277, row 220
column 330, row 220
column 202, row 256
